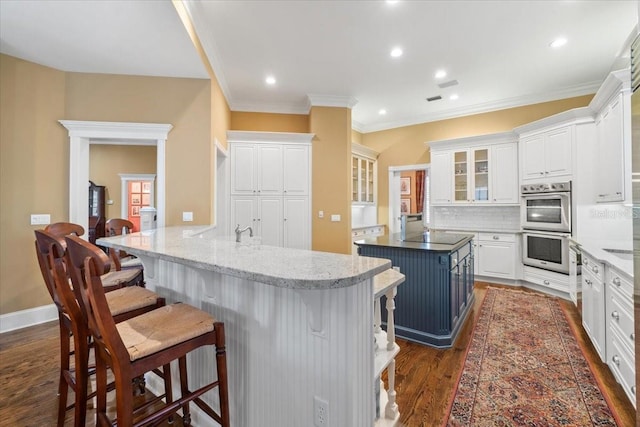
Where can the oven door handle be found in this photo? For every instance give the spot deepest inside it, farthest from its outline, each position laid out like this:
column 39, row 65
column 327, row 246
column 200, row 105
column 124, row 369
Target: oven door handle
column 545, row 233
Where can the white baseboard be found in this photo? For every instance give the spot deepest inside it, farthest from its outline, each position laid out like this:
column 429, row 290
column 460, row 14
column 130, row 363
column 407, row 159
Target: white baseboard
column 24, row 318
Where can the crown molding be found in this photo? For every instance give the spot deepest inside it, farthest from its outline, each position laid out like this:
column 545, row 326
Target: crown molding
column 487, row 107
column 487, row 139
column 282, row 137
column 364, row 151
column 573, row 116
column 613, row 84
column 277, row 108
column 332, row 101
column 116, row 130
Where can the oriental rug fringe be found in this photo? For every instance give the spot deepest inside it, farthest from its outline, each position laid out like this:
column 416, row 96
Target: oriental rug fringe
column 524, row 367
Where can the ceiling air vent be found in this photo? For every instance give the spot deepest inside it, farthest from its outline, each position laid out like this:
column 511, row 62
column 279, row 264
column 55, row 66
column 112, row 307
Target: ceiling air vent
column 635, row 64
column 434, row 98
column 448, row 84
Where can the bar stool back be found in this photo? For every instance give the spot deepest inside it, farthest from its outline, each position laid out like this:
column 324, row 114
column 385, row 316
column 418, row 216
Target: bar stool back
column 137, row 345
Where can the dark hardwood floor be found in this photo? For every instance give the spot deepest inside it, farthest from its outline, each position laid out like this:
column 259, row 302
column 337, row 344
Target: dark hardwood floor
column 425, row 377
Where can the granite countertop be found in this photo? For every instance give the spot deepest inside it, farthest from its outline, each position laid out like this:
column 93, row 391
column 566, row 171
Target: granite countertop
column 287, row 268
column 595, row 248
column 479, row 230
column 362, row 227
column 395, row 242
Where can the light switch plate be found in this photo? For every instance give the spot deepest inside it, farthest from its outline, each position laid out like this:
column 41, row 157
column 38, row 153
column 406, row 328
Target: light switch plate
column 335, row 218
column 320, row 214
column 187, row 216
column 40, row 219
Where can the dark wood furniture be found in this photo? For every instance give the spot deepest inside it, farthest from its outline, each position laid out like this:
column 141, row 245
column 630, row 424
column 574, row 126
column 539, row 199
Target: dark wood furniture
column 171, row 333
column 97, row 215
column 438, row 290
column 123, row 304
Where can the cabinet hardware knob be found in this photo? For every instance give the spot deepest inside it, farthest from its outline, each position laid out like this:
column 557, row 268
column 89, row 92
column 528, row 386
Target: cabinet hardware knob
column 546, row 282
column 616, row 359
column 632, row 336
column 616, row 281
column 285, row 219
column 588, row 282
column 633, row 390
column 595, row 269
column 258, row 219
column 618, row 193
column 616, row 315
column 541, row 173
column 496, row 237
column 585, row 262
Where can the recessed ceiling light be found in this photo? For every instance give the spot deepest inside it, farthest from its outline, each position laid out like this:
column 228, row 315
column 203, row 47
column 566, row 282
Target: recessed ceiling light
column 454, row 97
column 440, row 74
column 382, row 112
column 396, row 52
column 270, row 80
column 559, row 42
column 392, row 1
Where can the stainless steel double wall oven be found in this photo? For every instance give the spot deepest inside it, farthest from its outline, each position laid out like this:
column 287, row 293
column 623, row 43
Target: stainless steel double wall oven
column 546, row 223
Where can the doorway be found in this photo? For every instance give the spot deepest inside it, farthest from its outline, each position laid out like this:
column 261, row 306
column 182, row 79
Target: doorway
column 408, row 194
column 82, row 134
column 138, row 191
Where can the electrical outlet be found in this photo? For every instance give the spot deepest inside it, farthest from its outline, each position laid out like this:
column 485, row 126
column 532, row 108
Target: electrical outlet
column 335, row 218
column 40, row 219
column 320, row 214
column 320, row 412
column 187, row 216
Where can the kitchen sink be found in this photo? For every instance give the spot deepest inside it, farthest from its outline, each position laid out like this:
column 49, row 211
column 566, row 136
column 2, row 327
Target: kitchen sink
column 626, row 254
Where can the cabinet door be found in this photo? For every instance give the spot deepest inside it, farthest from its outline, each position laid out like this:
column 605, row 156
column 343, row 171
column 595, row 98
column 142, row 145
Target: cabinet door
column 496, row 259
column 270, row 220
column 558, row 153
column 504, row 173
column 243, row 169
column 533, row 164
column 461, row 176
column 610, row 164
column 370, row 182
column 593, row 311
column 481, row 174
column 297, row 223
column 355, row 189
column 296, row 170
column 270, row 170
column 441, row 177
column 244, row 213
column 456, row 281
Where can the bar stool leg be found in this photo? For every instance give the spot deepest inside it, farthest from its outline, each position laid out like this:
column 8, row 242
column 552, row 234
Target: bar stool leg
column 63, row 387
column 221, row 367
column 184, row 388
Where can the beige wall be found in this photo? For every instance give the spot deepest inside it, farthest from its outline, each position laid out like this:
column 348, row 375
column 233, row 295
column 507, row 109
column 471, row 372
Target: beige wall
column 331, row 178
column 269, row 122
column 405, row 145
column 34, row 174
column 184, row 103
column 107, row 161
column 35, row 154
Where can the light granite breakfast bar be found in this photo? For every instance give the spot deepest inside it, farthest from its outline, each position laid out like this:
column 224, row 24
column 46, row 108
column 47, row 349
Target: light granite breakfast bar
column 298, row 323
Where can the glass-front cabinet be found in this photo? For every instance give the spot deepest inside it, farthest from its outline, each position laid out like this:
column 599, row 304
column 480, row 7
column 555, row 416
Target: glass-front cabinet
column 362, row 180
column 471, row 172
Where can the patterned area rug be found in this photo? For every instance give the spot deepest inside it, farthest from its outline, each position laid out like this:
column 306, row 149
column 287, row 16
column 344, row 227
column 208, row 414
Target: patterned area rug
column 524, row 367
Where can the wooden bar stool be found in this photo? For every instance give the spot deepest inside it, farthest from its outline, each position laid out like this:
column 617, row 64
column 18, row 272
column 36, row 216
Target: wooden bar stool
column 137, row 345
column 117, row 277
column 121, row 259
column 123, row 303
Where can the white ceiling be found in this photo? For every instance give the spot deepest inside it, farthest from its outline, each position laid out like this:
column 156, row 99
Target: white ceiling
column 498, row 51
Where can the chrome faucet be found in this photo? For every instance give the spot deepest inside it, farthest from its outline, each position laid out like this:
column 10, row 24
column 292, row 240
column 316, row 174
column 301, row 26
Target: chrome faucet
column 239, row 232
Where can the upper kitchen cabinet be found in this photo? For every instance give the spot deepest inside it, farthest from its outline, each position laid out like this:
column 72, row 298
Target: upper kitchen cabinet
column 269, row 167
column 476, row 170
column 547, row 146
column 612, row 108
column 364, row 175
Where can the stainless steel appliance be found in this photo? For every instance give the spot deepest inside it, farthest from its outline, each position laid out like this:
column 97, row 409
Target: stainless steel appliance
column 546, row 207
column 575, row 273
column 549, row 251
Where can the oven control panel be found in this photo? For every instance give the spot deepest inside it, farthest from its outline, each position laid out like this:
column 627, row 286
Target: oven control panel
column 545, row 188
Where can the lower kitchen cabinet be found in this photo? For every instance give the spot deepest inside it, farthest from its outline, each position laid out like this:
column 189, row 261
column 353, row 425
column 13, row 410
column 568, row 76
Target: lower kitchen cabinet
column 497, row 255
column 278, row 221
column 593, row 303
column 620, row 338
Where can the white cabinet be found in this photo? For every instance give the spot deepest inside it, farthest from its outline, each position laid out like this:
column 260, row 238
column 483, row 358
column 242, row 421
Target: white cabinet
column 593, row 303
column 476, row 170
column 271, row 186
column 547, row 154
column 620, row 330
column 364, row 175
column 497, row 255
column 613, row 132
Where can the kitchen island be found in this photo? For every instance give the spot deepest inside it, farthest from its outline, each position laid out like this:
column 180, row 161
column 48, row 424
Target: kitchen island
column 298, row 323
column 438, row 291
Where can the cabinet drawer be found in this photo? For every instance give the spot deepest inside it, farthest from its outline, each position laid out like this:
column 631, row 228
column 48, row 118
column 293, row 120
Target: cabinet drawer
column 497, row 237
column 622, row 364
column 620, row 282
column 547, row 279
column 595, row 267
column 620, row 312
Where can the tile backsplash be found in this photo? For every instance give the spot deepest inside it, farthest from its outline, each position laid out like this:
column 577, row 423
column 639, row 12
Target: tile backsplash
column 477, row 217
